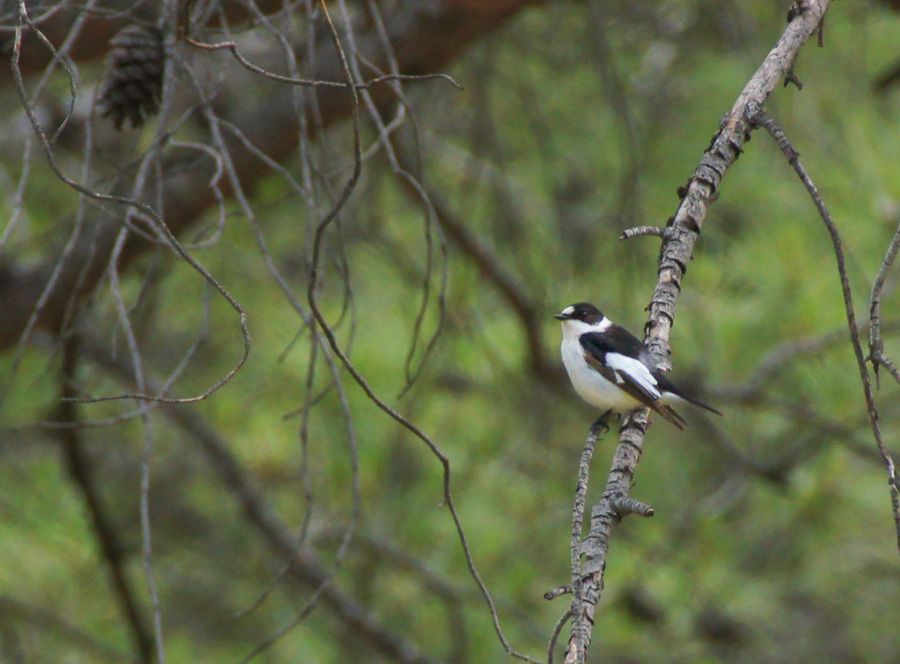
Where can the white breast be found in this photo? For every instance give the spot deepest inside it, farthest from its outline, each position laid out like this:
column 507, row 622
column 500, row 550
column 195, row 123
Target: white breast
column 589, row 384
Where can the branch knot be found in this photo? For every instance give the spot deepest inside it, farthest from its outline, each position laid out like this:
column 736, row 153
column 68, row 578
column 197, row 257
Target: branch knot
column 625, row 505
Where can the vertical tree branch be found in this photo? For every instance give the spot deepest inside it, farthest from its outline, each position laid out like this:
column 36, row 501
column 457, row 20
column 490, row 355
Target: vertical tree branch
column 575, row 547
column 876, row 345
column 78, row 467
column 606, row 514
column 675, row 254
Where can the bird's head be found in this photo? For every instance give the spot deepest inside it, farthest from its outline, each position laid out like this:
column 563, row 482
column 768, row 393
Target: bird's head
column 582, row 317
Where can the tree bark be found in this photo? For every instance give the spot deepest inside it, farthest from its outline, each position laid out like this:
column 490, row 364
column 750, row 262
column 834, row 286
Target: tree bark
column 677, row 249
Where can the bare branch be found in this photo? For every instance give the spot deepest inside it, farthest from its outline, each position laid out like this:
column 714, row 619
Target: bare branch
column 757, row 115
column 111, row 549
column 576, row 548
column 639, row 231
column 313, row 83
column 605, row 516
column 130, row 203
column 876, row 344
column 426, row 35
column 359, row 378
column 305, row 566
column 554, row 637
column 559, row 591
column 699, row 194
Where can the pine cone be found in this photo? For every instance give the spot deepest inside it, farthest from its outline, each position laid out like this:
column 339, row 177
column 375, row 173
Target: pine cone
column 132, row 85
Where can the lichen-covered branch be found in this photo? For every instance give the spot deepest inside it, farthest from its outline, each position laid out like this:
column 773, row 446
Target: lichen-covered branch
column 685, row 226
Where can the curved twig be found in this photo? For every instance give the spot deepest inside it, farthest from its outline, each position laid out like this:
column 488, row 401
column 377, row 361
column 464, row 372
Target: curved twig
column 313, row 83
column 551, row 646
column 877, row 356
column 134, row 204
column 757, row 115
column 354, row 372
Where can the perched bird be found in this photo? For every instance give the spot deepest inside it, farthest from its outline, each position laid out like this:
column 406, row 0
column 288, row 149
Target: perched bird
column 612, row 370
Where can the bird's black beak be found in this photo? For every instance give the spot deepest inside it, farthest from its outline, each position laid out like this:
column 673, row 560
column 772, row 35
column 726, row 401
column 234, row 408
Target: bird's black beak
column 561, row 317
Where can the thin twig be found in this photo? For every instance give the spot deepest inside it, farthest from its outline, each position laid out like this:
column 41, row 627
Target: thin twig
column 876, row 345
column 639, row 231
column 758, row 116
column 110, row 548
column 559, row 591
column 242, row 487
column 551, row 646
column 410, row 179
column 354, row 372
column 130, row 203
column 312, row 83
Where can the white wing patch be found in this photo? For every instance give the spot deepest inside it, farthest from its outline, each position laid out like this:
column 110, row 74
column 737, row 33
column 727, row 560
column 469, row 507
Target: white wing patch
column 636, row 370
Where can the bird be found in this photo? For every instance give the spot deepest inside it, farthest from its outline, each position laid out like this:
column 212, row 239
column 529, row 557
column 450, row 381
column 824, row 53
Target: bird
column 613, row 370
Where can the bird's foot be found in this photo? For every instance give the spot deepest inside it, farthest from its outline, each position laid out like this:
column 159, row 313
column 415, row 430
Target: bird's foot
column 601, row 424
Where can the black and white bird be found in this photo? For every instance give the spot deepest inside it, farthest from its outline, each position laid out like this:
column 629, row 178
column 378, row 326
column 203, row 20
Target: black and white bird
column 612, row 370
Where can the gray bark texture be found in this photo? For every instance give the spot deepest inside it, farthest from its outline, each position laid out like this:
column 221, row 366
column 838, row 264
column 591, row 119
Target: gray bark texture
column 678, row 246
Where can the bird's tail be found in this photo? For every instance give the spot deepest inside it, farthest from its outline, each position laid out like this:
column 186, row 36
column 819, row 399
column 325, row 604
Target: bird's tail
column 666, row 385
column 700, row 404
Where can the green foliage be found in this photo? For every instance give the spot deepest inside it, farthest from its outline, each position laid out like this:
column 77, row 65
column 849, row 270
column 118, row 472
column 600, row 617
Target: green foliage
column 533, row 156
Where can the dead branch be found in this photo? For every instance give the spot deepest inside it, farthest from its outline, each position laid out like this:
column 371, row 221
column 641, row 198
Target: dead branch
column 758, row 117
column 642, row 231
column 876, row 344
column 676, row 252
column 361, row 381
column 111, row 549
column 425, row 36
column 509, row 287
column 305, row 566
column 132, row 204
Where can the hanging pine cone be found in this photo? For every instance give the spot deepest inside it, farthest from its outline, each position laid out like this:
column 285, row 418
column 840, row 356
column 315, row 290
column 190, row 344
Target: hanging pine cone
column 134, row 69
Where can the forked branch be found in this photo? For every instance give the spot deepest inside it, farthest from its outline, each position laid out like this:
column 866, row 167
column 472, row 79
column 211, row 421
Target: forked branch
column 684, row 229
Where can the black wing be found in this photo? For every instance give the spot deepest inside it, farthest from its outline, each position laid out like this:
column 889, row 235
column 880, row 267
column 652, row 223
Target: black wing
column 618, row 340
column 614, row 339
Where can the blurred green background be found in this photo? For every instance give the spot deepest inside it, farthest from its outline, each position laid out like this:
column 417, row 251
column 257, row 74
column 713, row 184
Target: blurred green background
column 773, row 539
